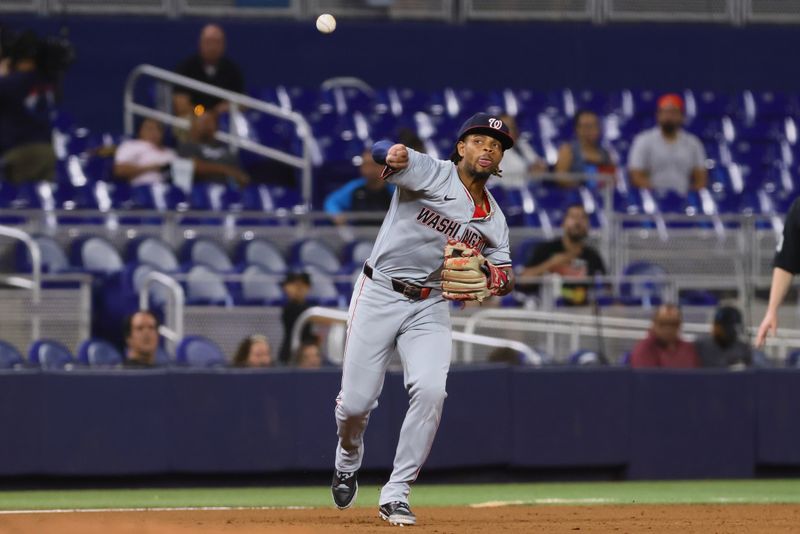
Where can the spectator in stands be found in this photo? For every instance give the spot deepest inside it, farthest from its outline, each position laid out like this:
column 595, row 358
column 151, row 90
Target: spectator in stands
column 367, row 193
column 213, row 160
column 663, row 346
column 27, row 100
column 211, row 66
column 296, row 287
column 253, row 351
column 505, row 355
column 141, row 339
column 724, row 347
column 309, row 355
column 143, row 160
column 569, row 256
column 666, row 157
column 583, row 155
column 520, row 161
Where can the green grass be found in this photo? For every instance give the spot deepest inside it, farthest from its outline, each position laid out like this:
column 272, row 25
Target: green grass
column 737, row 491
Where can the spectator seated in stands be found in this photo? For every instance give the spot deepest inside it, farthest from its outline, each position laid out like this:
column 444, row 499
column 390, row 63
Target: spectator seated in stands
column 211, row 66
column 213, row 160
column 296, row 286
column 724, row 347
column 142, row 161
column 583, row 155
column 568, row 256
column 367, row 193
column 309, row 355
column 666, row 157
column 254, row 351
column 663, row 346
column 141, row 339
column 27, row 100
column 520, row 161
column 505, row 355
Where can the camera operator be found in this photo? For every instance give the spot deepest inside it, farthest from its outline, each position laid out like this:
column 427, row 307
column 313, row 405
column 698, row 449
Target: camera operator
column 27, row 102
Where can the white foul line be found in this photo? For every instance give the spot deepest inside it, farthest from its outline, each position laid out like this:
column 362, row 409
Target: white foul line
column 176, row 509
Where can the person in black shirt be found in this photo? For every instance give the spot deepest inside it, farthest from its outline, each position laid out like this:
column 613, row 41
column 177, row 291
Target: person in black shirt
column 209, row 65
column 787, row 264
column 568, row 256
column 296, row 286
column 27, row 101
column 370, row 192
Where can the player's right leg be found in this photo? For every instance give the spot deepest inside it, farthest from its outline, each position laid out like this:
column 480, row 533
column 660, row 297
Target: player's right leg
column 374, row 319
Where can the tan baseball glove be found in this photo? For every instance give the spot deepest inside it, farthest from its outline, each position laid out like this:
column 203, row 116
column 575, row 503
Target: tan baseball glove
column 467, row 275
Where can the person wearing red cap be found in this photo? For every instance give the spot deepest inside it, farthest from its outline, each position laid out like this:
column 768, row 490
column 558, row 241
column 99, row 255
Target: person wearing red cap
column 667, row 157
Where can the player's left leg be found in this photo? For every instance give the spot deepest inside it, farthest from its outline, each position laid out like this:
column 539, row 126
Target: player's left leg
column 424, row 345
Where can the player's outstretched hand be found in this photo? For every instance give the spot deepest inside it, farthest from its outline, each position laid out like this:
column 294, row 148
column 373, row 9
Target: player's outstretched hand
column 768, row 327
column 397, row 157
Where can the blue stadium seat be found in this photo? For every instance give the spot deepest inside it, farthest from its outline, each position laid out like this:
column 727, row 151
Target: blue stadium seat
column 645, row 292
column 625, row 358
column 10, row 358
column 153, row 251
column 204, row 286
column 133, row 281
column 324, row 290
column 357, row 252
column 585, row 357
column 96, row 255
column 260, row 286
column 206, row 252
column 198, row 351
column 793, row 359
column 214, row 197
column 99, row 353
column 315, row 253
column 263, row 253
column 49, row 354
column 160, row 197
column 54, row 259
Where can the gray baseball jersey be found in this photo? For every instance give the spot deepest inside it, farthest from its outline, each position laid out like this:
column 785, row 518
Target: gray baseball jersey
column 430, row 206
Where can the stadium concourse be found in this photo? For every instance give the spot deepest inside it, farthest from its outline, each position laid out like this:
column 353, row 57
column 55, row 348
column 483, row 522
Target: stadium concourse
column 187, row 201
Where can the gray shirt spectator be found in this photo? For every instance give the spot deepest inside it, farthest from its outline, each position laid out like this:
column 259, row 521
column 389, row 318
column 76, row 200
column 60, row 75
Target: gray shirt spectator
column 667, row 157
column 669, row 162
column 724, row 347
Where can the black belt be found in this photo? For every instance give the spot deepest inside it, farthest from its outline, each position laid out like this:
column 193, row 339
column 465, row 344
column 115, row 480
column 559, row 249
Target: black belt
column 409, row 291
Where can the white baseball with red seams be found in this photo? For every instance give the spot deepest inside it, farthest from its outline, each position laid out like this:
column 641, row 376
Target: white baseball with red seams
column 430, row 206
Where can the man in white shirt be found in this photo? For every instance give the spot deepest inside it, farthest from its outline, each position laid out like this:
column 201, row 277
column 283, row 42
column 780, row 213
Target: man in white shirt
column 666, row 157
column 141, row 160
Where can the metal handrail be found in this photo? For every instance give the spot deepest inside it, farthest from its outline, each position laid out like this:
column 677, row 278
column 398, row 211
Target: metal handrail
column 531, row 356
column 36, row 275
column 575, row 324
column 174, row 332
column 237, row 99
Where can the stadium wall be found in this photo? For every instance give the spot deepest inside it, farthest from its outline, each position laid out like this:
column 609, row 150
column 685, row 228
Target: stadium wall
column 427, row 55
column 647, row 424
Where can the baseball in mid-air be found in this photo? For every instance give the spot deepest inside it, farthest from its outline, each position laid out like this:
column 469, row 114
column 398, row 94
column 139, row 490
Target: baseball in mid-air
column 326, row 23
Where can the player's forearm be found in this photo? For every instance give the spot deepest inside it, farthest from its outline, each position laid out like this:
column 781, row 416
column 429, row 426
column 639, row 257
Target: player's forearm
column 781, row 281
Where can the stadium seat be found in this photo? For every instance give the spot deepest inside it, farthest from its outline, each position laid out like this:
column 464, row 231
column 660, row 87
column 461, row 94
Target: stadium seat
column 99, row 353
column 315, row 253
column 206, row 252
column 793, row 358
column 263, row 253
column 204, row 286
column 10, row 358
column 198, row 351
column 152, row 251
column 96, row 255
column 323, row 290
column 357, row 252
column 49, row 354
column 585, row 357
column 644, row 292
column 54, row 259
column 259, row 286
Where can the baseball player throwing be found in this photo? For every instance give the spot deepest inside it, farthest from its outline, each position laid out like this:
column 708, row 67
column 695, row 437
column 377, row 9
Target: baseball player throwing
column 443, row 238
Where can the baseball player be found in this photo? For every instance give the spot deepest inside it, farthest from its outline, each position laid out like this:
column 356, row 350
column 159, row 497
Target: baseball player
column 443, row 238
column 787, row 264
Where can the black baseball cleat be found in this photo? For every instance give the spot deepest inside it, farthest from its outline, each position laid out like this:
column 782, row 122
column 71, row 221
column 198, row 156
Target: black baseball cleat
column 344, row 489
column 397, row 513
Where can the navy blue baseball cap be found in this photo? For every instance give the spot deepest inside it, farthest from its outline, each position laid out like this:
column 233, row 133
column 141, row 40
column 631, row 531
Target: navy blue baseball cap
column 483, row 123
